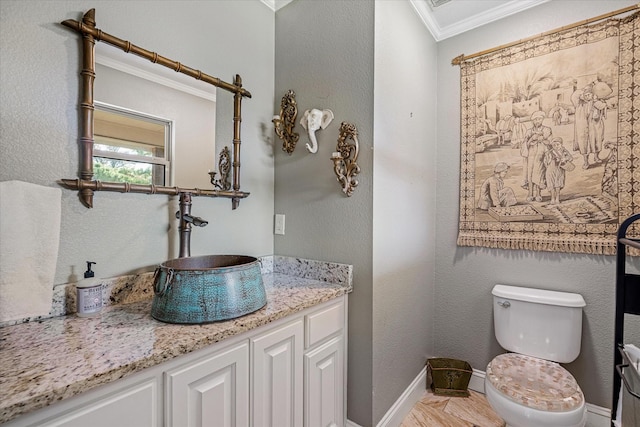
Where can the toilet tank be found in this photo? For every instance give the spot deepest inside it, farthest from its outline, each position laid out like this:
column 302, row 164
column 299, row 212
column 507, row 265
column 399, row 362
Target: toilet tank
column 537, row 322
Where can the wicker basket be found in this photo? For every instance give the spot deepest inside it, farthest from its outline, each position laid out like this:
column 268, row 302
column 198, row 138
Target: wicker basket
column 448, row 377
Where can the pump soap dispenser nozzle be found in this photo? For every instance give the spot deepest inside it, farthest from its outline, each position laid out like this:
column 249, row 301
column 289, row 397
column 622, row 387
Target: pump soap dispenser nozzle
column 89, row 272
column 89, row 294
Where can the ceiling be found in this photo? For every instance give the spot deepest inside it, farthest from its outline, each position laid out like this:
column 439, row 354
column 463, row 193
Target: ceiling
column 447, row 18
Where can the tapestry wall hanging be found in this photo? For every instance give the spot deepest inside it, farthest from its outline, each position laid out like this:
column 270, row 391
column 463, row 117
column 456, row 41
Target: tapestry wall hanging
column 550, row 148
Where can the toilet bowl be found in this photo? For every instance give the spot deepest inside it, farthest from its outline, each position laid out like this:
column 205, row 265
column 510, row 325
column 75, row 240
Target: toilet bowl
column 530, row 392
column 527, row 387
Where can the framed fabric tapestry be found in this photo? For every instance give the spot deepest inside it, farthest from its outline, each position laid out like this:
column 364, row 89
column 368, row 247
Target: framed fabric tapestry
column 550, row 139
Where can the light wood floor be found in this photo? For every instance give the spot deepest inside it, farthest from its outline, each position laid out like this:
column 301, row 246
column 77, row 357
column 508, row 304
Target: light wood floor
column 443, row 411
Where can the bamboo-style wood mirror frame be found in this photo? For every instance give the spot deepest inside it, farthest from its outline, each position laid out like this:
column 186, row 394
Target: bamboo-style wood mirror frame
column 85, row 183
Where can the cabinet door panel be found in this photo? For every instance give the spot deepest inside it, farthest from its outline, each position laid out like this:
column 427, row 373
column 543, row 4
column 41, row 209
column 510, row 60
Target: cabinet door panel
column 324, row 388
column 211, row 392
column 131, row 406
column 277, row 377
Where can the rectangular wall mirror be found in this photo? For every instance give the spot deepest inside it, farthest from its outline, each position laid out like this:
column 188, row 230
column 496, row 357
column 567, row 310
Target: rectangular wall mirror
column 127, row 85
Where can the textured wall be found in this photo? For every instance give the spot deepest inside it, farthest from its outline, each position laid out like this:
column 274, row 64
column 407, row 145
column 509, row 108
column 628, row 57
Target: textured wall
column 324, row 52
column 404, row 205
column 39, row 77
column 465, row 276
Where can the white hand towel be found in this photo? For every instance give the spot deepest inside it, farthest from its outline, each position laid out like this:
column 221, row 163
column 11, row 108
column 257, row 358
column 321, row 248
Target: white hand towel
column 29, row 240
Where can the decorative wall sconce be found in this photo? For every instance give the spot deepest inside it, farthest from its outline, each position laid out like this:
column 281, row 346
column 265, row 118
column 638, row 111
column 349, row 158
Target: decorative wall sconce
column 224, row 166
column 285, row 122
column 313, row 120
column 344, row 160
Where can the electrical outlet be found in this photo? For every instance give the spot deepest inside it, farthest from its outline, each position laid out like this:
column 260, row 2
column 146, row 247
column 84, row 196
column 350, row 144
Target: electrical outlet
column 279, row 224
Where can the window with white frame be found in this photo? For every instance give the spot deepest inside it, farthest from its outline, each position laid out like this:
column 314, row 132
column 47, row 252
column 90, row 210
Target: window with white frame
column 130, row 146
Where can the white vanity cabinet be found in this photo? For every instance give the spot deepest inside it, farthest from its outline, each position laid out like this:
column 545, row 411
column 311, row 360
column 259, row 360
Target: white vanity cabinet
column 286, row 374
column 134, row 405
column 324, row 367
column 290, row 372
column 299, row 370
column 134, row 401
column 278, row 376
column 211, row 391
column 324, row 388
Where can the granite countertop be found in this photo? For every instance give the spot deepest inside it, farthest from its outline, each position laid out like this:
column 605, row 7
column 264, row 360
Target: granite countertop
column 45, row 361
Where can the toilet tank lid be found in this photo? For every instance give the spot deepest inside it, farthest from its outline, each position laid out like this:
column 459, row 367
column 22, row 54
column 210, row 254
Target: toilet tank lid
column 540, row 296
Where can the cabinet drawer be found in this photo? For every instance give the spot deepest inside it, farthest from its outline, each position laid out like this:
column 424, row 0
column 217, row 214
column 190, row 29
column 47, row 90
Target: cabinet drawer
column 323, row 323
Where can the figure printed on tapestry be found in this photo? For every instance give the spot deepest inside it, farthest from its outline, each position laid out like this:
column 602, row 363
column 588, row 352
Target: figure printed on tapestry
column 552, row 121
column 493, row 193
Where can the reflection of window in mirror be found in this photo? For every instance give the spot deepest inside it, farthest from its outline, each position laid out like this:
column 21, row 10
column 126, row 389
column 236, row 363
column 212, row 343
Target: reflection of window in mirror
column 130, row 146
column 138, row 85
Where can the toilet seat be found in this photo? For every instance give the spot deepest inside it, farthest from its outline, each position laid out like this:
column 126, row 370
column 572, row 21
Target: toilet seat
column 535, row 383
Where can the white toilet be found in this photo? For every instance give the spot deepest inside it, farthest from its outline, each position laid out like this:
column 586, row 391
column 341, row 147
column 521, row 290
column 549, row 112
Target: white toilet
column 528, row 387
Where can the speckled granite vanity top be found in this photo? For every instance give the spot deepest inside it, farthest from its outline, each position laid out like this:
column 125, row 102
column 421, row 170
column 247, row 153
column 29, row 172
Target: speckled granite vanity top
column 45, row 361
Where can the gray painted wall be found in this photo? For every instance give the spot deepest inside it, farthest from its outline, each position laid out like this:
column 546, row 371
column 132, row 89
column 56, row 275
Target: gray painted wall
column 39, row 76
column 465, row 276
column 324, row 52
column 404, row 205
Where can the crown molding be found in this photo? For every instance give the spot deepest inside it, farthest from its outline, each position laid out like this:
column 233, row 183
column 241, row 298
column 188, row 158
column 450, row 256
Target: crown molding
column 428, row 16
column 436, row 3
column 138, row 67
column 271, row 4
column 276, row 5
column 440, row 33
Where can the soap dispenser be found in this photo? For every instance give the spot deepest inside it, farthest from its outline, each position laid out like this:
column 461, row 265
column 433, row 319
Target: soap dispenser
column 89, row 294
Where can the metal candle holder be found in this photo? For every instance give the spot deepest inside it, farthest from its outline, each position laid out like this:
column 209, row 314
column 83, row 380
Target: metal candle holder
column 224, row 166
column 285, row 122
column 345, row 158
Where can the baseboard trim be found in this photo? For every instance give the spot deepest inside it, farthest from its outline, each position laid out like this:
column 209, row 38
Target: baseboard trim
column 597, row 416
column 405, row 402
column 476, row 383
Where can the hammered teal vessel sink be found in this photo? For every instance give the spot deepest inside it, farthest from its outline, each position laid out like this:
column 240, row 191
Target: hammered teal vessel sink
column 206, row 289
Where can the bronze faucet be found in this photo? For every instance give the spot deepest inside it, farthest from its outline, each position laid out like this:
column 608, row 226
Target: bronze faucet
column 186, row 220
